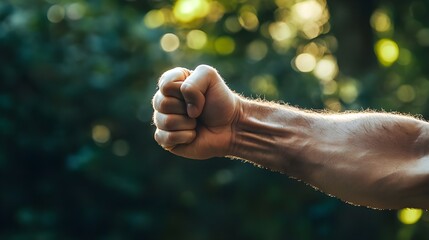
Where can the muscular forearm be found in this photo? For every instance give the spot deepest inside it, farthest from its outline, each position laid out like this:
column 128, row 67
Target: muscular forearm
column 371, row 159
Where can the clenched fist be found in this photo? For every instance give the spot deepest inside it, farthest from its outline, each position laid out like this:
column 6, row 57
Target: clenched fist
column 194, row 113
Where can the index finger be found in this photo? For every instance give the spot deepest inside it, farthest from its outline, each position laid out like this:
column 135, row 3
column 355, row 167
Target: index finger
column 169, row 83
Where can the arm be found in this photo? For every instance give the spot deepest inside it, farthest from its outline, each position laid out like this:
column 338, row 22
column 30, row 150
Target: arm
column 372, row 159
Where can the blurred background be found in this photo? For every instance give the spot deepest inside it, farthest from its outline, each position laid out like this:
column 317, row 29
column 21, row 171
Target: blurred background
column 77, row 155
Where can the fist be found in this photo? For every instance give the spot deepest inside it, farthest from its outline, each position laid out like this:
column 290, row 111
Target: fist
column 194, row 113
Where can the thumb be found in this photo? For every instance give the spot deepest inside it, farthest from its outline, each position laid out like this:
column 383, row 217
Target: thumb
column 195, row 87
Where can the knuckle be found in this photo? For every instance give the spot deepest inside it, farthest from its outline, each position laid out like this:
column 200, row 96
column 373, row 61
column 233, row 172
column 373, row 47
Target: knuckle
column 164, row 138
column 170, row 139
column 161, row 79
column 153, row 103
column 165, row 77
column 158, row 120
column 172, row 74
column 203, row 67
column 161, row 84
column 170, row 71
column 170, row 88
column 163, row 105
column 164, row 88
column 186, row 87
column 206, row 69
column 155, row 118
column 169, row 123
column 157, row 137
column 192, row 136
column 177, row 70
column 156, row 101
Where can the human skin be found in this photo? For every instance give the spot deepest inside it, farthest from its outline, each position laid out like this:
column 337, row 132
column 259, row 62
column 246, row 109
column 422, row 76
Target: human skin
column 379, row 160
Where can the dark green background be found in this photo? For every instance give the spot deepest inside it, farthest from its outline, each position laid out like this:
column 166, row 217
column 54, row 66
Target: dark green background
column 59, row 80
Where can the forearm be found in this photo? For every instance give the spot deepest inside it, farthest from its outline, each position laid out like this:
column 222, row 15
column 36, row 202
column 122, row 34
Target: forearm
column 371, row 159
column 271, row 136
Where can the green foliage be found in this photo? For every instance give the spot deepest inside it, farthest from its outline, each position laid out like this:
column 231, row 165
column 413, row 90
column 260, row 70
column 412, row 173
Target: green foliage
column 77, row 156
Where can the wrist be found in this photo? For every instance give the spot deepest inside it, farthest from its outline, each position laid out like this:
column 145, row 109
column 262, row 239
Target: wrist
column 235, row 148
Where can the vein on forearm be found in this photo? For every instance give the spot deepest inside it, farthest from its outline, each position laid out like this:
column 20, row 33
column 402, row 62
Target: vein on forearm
column 272, row 136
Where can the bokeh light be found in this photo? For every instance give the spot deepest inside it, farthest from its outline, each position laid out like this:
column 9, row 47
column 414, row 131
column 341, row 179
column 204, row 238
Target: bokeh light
column 170, row 42
column 280, row 31
column 249, row 21
column 224, row 45
column 100, row 134
column 310, row 10
column 154, row 19
column 311, row 30
column 409, row 215
column 188, row 10
column 196, row 39
column 257, row 50
column 224, row 176
column 349, row 91
column 232, row 24
column 75, row 11
column 406, row 93
column 305, row 62
column 264, row 85
column 56, row 13
column 380, row 21
column 309, row 17
column 284, row 3
column 330, row 87
column 333, row 104
column 387, row 51
column 326, row 68
column 216, row 11
column 313, row 49
column 120, row 148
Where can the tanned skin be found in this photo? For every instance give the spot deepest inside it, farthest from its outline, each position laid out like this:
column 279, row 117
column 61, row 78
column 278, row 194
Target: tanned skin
column 379, row 160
